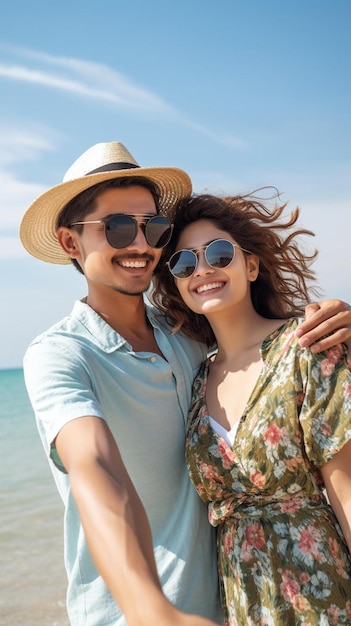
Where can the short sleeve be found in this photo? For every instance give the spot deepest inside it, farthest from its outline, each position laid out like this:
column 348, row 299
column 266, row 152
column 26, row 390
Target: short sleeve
column 325, row 414
column 59, row 388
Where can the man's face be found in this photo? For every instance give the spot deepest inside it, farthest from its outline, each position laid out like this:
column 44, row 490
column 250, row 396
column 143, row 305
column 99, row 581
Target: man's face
column 126, row 270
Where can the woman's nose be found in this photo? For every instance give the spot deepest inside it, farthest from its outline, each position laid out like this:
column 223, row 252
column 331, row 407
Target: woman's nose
column 202, row 266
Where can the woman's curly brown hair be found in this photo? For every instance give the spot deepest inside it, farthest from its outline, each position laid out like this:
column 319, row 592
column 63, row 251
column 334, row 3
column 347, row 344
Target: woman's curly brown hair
column 281, row 288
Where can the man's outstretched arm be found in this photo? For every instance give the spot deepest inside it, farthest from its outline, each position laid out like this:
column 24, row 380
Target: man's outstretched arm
column 115, row 524
column 327, row 324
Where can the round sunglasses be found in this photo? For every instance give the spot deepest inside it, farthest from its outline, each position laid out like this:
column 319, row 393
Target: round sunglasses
column 121, row 229
column 218, row 254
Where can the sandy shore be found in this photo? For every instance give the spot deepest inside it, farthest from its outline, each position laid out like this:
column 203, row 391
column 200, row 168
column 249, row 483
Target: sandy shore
column 33, row 579
column 33, row 587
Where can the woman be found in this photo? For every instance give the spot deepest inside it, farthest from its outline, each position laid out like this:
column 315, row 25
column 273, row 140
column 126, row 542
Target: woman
column 269, row 427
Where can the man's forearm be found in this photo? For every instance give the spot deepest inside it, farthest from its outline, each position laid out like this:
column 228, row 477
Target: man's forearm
column 119, row 538
column 118, row 535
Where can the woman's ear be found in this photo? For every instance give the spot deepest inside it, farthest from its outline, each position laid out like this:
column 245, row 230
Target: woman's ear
column 253, row 267
column 68, row 241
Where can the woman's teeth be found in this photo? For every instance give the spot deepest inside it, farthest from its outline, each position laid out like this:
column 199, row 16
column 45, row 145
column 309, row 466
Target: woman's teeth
column 208, row 287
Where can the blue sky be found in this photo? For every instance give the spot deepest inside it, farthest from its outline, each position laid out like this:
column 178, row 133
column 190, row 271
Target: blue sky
column 240, row 94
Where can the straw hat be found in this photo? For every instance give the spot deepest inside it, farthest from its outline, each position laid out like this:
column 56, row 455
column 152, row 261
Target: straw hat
column 101, row 162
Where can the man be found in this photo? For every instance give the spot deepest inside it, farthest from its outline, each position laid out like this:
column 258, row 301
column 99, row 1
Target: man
column 110, row 387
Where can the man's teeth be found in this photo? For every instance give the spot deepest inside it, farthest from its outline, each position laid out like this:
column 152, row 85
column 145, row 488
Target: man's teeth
column 133, row 264
column 208, row 287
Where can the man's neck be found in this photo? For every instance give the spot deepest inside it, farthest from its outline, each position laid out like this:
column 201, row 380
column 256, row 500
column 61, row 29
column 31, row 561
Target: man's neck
column 126, row 314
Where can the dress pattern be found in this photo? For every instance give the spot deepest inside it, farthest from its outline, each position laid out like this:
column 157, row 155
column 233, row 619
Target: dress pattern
column 282, row 557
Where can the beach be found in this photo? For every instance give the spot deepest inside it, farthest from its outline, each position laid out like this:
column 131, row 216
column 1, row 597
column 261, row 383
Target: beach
column 33, row 580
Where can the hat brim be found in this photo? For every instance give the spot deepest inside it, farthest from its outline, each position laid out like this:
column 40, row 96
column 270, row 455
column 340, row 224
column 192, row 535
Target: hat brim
column 38, row 226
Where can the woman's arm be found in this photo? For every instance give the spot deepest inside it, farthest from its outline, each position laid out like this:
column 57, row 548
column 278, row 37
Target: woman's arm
column 337, row 478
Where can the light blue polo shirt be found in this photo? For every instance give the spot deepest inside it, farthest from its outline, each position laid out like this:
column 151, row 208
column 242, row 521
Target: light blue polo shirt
column 81, row 366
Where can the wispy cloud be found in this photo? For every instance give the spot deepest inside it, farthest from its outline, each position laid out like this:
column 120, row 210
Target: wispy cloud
column 11, row 248
column 20, row 144
column 84, row 78
column 98, row 81
column 17, row 146
column 120, row 93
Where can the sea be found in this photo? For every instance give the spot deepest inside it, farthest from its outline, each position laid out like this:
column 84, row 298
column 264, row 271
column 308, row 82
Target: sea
column 33, row 579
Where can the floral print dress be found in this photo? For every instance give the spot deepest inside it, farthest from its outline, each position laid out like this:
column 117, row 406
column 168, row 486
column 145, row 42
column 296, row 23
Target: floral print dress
column 282, row 558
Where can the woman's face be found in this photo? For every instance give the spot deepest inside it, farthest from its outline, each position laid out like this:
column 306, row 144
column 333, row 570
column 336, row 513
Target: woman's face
column 210, row 290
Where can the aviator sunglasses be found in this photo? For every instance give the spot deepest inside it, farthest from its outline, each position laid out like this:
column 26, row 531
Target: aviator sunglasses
column 121, row 229
column 218, row 254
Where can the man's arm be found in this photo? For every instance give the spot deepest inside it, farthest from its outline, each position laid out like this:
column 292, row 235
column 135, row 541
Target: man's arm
column 323, row 318
column 115, row 524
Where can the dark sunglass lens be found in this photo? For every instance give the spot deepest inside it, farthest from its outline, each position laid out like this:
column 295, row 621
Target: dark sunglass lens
column 183, row 263
column 158, row 231
column 220, row 253
column 121, row 230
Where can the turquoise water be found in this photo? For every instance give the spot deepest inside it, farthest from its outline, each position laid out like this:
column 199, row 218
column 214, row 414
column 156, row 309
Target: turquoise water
column 33, row 580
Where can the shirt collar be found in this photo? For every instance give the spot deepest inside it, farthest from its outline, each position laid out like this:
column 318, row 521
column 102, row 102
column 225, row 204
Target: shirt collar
column 98, row 331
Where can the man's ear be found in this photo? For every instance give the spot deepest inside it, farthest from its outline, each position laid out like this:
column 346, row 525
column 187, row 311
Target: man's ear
column 68, row 241
column 253, row 267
